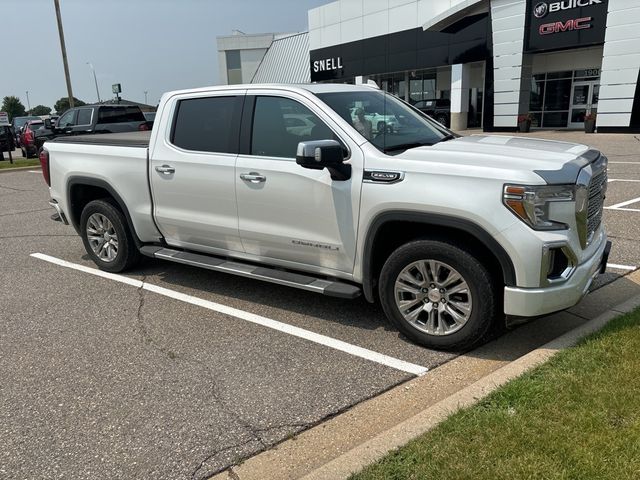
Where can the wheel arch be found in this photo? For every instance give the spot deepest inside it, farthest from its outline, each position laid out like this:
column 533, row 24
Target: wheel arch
column 407, row 226
column 82, row 190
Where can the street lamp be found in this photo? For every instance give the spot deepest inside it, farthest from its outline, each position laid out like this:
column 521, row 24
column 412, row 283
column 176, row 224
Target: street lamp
column 95, row 80
column 145, row 97
column 28, row 103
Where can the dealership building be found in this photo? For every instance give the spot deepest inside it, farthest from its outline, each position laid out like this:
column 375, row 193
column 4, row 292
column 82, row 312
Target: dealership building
column 489, row 61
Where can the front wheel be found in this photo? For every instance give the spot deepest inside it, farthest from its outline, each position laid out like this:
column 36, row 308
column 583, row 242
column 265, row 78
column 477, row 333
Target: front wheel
column 439, row 295
column 106, row 236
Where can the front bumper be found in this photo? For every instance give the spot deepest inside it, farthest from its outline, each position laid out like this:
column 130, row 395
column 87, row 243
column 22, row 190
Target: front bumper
column 533, row 302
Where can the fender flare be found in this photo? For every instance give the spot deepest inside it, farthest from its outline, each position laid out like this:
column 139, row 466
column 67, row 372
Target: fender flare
column 467, row 226
column 96, row 182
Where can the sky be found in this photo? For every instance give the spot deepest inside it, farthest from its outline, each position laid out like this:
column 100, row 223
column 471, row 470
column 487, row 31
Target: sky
column 152, row 45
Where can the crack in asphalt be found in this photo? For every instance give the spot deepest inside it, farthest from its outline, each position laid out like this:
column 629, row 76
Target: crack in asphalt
column 15, row 189
column 256, row 434
column 8, row 237
column 26, row 211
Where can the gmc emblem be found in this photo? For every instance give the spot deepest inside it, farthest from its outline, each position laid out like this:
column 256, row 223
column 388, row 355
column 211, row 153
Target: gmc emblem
column 574, row 24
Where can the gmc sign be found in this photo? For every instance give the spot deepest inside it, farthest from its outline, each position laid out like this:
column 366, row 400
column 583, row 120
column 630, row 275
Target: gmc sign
column 564, row 24
column 557, row 27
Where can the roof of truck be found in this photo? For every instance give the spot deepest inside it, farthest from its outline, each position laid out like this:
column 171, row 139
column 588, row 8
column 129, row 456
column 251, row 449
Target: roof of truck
column 310, row 87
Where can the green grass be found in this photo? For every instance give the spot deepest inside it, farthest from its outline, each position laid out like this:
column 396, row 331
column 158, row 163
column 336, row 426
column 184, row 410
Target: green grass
column 575, row 417
column 18, row 162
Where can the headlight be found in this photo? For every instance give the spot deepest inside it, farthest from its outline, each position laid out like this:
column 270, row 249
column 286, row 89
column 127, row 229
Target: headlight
column 531, row 203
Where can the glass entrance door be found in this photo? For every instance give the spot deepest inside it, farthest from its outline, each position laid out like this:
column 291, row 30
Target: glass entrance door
column 584, row 100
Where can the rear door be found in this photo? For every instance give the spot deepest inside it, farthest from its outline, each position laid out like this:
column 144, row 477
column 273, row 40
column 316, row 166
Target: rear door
column 192, row 171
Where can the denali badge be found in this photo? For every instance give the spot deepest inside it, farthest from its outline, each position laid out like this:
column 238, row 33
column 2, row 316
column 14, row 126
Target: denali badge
column 382, row 176
column 324, row 246
column 540, row 10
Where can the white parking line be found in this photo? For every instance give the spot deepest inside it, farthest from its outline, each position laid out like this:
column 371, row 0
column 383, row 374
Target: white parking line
column 34, row 171
column 249, row 317
column 620, row 180
column 638, row 163
column 621, row 267
column 624, row 204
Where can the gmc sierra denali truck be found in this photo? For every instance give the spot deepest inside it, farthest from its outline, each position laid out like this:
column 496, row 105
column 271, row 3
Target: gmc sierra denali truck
column 450, row 234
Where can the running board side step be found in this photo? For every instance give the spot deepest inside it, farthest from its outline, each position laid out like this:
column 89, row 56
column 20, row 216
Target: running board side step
column 281, row 277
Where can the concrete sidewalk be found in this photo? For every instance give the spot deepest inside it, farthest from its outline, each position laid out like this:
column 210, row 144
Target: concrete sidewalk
column 350, row 441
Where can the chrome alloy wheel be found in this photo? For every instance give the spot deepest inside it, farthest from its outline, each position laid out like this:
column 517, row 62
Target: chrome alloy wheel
column 433, row 297
column 102, row 237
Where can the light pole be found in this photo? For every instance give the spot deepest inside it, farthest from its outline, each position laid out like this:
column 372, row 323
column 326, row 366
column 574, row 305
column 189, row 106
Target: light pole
column 95, row 80
column 28, row 103
column 56, row 4
column 145, row 96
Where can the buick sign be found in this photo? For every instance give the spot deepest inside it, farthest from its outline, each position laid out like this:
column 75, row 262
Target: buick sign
column 541, row 10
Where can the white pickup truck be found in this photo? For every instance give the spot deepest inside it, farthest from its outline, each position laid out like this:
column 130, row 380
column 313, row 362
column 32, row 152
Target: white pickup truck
column 450, row 234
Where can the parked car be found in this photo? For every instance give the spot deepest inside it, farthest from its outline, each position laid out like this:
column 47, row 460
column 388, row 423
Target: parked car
column 7, row 140
column 33, row 135
column 99, row 119
column 18, row 123
column 448, row 233
column 439, row 110
column 149, row 117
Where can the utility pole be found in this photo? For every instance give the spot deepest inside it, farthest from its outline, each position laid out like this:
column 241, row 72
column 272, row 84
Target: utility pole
column 145, row 97
column 64, row 53
column 28, row 102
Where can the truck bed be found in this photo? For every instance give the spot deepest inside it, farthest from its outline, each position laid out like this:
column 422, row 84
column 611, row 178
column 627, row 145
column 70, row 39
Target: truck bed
column 125, row 139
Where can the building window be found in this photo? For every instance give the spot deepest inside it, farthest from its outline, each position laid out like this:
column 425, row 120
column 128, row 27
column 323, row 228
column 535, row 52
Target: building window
column 234, row 67
column 550, row 100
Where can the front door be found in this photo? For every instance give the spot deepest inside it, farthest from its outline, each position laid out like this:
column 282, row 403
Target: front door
column 584, row 100
column 295, row 216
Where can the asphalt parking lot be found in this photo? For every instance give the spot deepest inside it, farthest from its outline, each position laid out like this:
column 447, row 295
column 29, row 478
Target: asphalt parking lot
column 176, row 372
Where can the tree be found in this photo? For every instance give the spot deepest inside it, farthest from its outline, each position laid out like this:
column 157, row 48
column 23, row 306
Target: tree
column 40, row 110
column 13, row 106
column 62, row 105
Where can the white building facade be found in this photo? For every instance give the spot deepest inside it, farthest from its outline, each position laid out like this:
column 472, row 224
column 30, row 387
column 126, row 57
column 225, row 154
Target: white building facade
column 489, row 62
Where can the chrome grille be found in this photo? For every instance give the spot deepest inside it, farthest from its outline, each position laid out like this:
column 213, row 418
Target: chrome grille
column 595, row 203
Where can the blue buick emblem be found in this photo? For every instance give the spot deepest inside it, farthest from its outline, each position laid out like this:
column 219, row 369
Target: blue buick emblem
column 541, row 10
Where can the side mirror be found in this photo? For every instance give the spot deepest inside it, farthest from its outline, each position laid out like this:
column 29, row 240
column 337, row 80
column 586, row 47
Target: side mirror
column 48, row 124
column 320, row 154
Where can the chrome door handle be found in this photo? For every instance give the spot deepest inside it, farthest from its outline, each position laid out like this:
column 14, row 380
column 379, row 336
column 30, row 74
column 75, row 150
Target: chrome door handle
column 165, row 169
column 253, row 177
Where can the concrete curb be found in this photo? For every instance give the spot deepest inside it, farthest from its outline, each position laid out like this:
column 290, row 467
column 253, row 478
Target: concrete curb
column 19, row 169
column 374, row 449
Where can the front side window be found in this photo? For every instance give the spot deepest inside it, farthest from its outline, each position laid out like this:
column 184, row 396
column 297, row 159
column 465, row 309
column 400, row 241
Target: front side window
column 207, row 124
column 279, row 124
column 387, row 122
column 67, row 120
column 84, row 116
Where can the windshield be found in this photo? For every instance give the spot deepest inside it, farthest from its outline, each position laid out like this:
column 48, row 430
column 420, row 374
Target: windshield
column 20, row 121
column 388, row 123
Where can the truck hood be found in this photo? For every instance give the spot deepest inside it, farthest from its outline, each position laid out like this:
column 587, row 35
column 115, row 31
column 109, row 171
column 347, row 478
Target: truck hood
column 556, row 162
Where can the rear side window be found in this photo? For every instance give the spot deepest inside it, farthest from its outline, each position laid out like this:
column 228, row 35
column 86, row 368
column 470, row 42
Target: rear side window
column 207, row 124
column 84, row 116
column 120, row 115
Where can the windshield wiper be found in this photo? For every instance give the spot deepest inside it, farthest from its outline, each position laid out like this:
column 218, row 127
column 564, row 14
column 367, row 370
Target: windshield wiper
column 448, row 136
column 406, row 146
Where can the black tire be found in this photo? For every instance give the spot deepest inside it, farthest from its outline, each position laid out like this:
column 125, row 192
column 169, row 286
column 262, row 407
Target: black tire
column 484, row 294
column 127, row 254
column 443, row 119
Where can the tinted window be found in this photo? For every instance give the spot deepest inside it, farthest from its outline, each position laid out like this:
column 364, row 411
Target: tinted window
column 207, row 124
column 84, row 116
column 120, row 114
column 67, row 120
column 279, row 124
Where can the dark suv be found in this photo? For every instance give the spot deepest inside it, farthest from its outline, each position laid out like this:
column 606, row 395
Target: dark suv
column 439, row 110
column 99, row 119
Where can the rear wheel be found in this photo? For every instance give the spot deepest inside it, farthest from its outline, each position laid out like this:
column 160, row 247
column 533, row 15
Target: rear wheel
column 106, row 236
column 439, row 295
